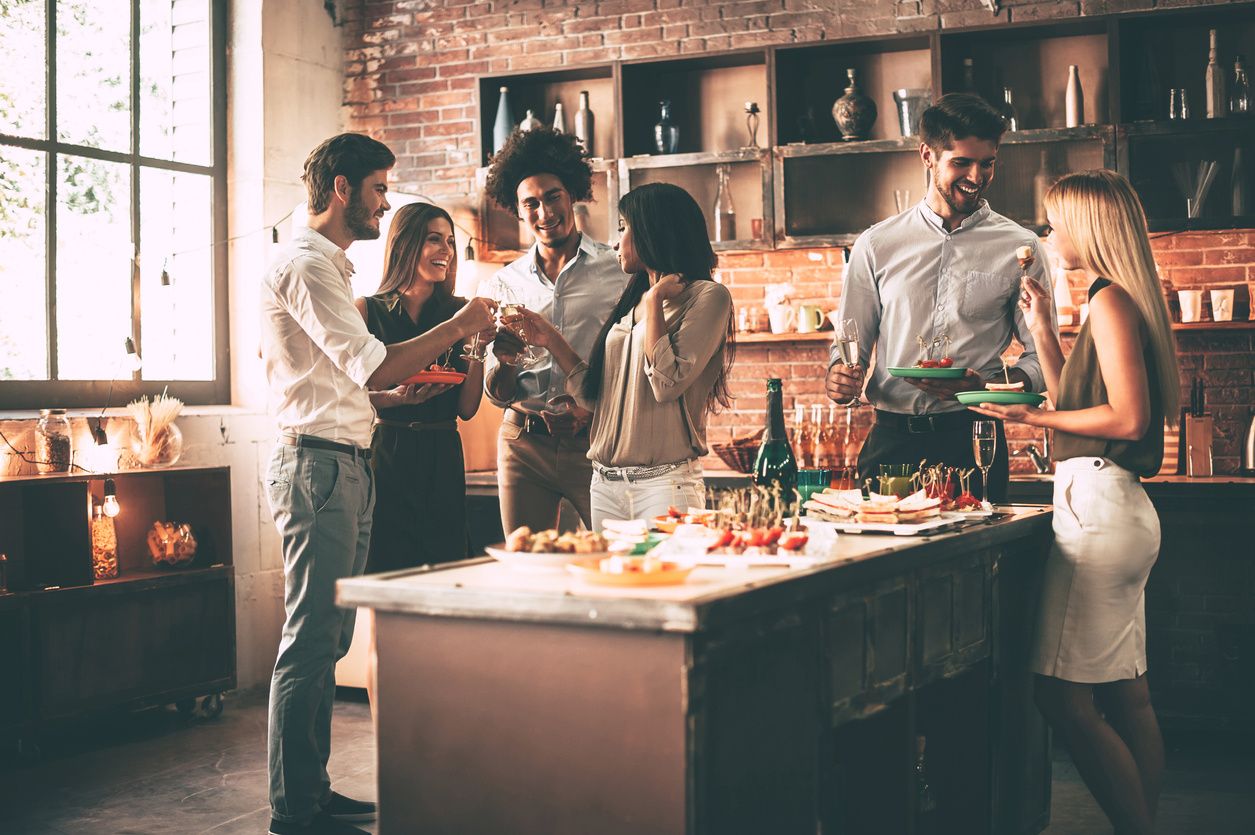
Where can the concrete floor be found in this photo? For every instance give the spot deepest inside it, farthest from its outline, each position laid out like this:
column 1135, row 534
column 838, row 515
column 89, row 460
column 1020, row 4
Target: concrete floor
column 155, row 772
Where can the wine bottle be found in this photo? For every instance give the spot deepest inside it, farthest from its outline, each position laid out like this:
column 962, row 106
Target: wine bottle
column 1008, row 111
column 504, row 125
column 1217, row 101
column 1240, row 94
column 725, row 212
column 1074, row 99
column 805, row 439
column 584, row 124
column 820, row 429
column 559, row 118
column 775, row 466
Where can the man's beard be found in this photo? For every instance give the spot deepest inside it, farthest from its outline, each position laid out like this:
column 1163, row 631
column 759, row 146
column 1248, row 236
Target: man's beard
column 947, row 196
column 357, row 219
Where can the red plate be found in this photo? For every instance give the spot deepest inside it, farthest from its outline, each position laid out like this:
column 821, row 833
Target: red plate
column 448, row 377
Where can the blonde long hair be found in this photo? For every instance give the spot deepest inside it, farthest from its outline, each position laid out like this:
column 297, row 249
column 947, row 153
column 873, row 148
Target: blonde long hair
column 1105, row 220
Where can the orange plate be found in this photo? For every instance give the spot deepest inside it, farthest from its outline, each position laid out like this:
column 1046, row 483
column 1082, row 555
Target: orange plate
column 451, row 377
column 672, row 574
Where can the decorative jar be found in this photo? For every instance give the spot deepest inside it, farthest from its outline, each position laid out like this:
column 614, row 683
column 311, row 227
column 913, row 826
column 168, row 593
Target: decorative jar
column 54, row 448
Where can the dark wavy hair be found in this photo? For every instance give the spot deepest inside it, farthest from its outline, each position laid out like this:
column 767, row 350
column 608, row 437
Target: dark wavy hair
column 538, row 151
column 406, row 236
column 958, row 116
column 355, row 155
column 669, row 234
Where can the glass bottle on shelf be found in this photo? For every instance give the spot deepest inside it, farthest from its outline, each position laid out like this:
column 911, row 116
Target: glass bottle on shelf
column 504, row 124
column 666, row 132
column 584, row 124
column 1074, row 99
column 104, row 545
column 559, row 118
column 1214, row 81
column 1042, row 181
column 775, row 466
column 54, row 450
column 1240, row 92
column 819, row 457
column 831, row 444
column 725, row 212
column 849, row 458
column 969, row 77
column 1007, row 109
column 530, row 122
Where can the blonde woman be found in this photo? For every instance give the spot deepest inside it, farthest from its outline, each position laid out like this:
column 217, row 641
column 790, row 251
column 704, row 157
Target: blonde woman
column 1111, row 396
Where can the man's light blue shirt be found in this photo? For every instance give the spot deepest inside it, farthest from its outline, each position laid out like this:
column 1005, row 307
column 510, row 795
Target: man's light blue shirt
column 909, row 277
column 578, row 302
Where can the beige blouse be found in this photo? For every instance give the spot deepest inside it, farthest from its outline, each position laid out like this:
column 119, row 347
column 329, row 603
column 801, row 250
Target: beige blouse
column 652, row 408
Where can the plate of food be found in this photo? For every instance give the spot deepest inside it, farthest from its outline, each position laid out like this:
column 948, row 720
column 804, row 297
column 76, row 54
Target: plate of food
column 547, row 550
column 645, row 570
column 1002, row 394
column 436, row 374
column 849, row 511
column 929, row 372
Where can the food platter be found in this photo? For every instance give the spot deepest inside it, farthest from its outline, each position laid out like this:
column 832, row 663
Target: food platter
column 537, row 562
column 430, row 376
column 588, row 569
column 918, row 373
column 1002, row 398
column 939, row 523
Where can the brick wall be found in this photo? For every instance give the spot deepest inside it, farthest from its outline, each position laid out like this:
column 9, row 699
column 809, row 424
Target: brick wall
column 410, row 80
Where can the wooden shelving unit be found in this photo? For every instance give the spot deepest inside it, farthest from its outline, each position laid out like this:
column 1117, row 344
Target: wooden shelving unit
column 151, row 635
column 820, row 191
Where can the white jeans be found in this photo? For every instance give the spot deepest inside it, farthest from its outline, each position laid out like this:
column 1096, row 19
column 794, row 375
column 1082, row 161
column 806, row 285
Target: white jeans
column 642, row 498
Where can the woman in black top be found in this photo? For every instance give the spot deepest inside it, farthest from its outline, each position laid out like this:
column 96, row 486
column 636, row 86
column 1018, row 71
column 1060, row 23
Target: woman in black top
column 420, row 477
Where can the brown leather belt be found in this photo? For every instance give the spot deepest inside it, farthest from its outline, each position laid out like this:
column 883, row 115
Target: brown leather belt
column 923, row 424
column 312, row 442
column 420, row 425
column 532, row 424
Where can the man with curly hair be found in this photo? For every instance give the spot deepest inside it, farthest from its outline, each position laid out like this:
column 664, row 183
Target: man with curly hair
column 574, row 282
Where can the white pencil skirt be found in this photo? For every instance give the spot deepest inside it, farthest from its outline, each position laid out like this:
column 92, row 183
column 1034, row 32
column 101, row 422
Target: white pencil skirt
column 1091, row 627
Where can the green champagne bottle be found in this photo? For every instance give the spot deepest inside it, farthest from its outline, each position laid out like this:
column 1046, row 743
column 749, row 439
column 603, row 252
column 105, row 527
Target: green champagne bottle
column 775, row 465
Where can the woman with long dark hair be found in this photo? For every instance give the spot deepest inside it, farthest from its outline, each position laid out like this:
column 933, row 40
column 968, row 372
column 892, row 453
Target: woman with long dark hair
column 659, row 367
column 1112, row 396
column 416, row 452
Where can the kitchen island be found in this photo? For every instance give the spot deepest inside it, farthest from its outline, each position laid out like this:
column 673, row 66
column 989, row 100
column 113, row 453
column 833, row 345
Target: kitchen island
column 750, row 699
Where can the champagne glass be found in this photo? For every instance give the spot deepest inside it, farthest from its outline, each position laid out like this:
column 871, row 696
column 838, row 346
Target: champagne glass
column 846, row 342
column 530, row 355
column 474, row 352
column 984, row 448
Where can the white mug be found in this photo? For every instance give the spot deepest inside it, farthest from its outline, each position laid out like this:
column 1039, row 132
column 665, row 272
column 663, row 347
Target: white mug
column 1191, row 305
column 1222, row 305
column 781, row 318
column 810, row 318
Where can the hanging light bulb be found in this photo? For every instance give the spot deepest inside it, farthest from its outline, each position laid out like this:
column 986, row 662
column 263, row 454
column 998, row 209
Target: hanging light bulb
column 98, row 432
column 111, row 506
column 132, row 355
column 470, row 251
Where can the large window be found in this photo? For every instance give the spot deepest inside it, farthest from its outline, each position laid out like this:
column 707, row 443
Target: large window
column 112, row 201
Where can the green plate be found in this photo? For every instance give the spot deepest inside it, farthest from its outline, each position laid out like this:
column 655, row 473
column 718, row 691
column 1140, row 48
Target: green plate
column 929, row 373
column 1002, row 398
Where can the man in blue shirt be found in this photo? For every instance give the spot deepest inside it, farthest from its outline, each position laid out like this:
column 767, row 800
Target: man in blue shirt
column 944, row 270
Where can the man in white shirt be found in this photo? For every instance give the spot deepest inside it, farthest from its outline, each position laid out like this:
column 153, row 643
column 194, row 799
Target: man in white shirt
column 574, row 282
column 319, row 360
column 944, row 271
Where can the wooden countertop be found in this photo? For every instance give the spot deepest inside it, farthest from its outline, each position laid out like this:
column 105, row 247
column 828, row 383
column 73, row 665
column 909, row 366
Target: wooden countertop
column 485, row 588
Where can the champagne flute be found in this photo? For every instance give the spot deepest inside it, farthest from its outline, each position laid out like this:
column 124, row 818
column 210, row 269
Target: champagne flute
column 474, row 352
column 984, row 448
column 846, row 342
column 530, row 355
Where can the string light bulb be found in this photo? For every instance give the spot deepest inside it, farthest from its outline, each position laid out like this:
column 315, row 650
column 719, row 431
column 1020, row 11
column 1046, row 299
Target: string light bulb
column 165, row 273
column 132, row 355
column 110, row 505
column 470, row 252
column 98, row 433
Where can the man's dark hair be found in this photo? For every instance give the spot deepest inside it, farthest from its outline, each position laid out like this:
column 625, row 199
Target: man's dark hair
column 958, row 116
column 355, row 155
column 539, row 151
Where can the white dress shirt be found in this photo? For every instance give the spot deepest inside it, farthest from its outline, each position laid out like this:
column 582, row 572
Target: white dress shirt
column 908, row 277
column 577, row 304
column 316, row 349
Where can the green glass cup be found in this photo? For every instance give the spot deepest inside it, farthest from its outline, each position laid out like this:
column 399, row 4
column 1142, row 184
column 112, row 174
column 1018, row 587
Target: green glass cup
column 895, row 479
column 810, row 481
